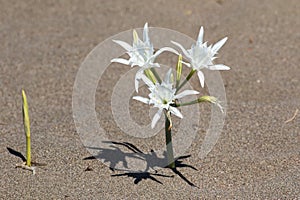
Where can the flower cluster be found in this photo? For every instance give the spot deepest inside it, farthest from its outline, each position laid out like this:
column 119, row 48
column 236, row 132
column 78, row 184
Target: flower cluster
column 163, row 93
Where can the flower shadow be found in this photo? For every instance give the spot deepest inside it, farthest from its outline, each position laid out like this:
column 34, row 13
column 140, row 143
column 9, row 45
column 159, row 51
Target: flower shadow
column 139, row 176
column 153, row 162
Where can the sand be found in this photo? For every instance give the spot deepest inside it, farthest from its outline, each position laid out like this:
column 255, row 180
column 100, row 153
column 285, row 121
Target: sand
column 43, row 44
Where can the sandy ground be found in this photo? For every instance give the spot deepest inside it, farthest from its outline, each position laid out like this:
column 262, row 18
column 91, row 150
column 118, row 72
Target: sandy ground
column 43, row 44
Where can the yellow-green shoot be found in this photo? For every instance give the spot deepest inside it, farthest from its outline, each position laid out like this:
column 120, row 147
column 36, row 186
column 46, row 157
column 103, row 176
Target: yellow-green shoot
column 178, row 70
column 26, row 128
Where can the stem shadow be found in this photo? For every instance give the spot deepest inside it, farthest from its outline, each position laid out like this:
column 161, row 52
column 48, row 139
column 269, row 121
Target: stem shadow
column 16, row 153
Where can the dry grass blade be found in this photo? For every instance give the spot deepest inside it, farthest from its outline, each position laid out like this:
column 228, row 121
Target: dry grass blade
column 294, row 116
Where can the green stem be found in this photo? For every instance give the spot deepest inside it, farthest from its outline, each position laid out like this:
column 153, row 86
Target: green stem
column 209, row 99
column 186, row 79
column 155, row 74
column 150, row 75
column 170, row 155
column 187, row 103
column 27, row 129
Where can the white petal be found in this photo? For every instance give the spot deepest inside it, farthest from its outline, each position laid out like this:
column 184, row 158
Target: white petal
column 200, row 36
column 156, row 118
column 145, row 33
column 164, row 49
column 182, row 49
column 138, row 76
column 154, row 64
column 141, row 99
column 124, row 45
column 175, row 111
column 136, row 84
column 187, row 64
column 220, row 107
column 185, row 93
column 201, row 78
column 120, row 60
column 168, row 76
column 218, row 67
column 148, row 82
column 218, row 45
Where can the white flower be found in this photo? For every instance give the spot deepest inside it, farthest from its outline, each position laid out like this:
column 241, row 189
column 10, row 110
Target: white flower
column 162, row 96
column 141, row 53
column 201, row 56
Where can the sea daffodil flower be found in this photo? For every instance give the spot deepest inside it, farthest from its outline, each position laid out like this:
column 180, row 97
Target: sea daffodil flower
column 201, row 56
column 141, row 53
column 162, row 96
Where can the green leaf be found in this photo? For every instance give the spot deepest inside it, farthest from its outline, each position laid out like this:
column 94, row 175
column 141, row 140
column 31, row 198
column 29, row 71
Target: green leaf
column 26, row 128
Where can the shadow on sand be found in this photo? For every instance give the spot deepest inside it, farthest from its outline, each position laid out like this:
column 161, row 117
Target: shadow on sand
column 152, row 160
column 16, row 153
column 20, row 155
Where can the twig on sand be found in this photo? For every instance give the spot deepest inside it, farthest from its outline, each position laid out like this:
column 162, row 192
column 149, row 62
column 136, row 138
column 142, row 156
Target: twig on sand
column 24, row 166
column 294, row 116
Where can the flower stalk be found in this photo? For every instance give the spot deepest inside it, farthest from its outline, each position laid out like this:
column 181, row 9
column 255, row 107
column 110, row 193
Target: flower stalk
column 154, row 72
column 150, row 75
column 168, row 133
column 186, row 80
column 209, row 99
